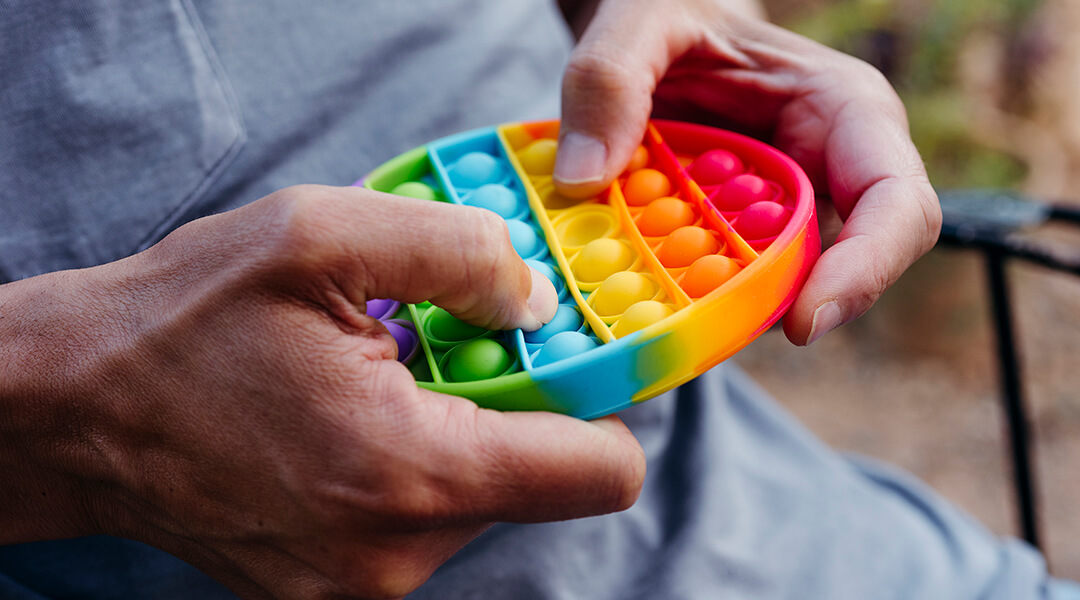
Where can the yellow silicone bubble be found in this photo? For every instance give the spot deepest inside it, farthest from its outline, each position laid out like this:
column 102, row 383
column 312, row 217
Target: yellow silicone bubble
column 578, row 227
column 538, row 158
column 639, row 316
column 620, row 291
column 645, row 185
column 664, row 215
column 551, row 199
column 600, row 259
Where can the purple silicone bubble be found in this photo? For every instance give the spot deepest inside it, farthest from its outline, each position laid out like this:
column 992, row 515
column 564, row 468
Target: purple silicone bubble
column 381, row 308
column 405, row 335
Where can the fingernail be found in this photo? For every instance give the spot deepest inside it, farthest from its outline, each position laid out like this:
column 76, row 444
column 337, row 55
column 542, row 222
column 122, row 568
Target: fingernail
column 826, row 318
column 543, row 300
column 581, row 159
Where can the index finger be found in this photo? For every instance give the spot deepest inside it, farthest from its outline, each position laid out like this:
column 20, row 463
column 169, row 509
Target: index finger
column 879, row 186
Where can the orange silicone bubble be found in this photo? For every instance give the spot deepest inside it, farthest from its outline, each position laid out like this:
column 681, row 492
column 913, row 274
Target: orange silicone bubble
column 664, row 215
column 645, row 185
column 708, row 273
column 685, row 245
column 639, row 159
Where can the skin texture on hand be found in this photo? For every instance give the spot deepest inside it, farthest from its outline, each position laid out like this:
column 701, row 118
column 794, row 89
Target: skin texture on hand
column 702, row 61
column 222, row 396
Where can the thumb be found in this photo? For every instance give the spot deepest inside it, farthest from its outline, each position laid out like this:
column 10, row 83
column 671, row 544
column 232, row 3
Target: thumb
column 361, row 244
column 607, row 93
column 535, row 466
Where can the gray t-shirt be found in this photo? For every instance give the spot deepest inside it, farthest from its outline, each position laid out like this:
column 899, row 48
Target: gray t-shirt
column 121, row 120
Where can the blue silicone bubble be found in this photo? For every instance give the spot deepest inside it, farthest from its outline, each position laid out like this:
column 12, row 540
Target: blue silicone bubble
column 499, row 199
column 567, row 318
column 549, row 271
column 526, row 240
column 563, row 345
column 475, row 169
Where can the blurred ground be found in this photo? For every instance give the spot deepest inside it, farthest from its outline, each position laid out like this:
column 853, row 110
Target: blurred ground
column 990, row 88
column 914, row 382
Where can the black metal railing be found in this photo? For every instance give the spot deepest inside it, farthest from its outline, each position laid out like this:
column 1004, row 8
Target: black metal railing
column 997, row 224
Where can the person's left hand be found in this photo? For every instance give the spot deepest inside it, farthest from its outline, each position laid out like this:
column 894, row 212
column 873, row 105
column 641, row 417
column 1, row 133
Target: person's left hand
column 838, row 117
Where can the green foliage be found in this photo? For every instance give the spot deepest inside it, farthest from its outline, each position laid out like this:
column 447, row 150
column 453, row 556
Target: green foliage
column 923, row 41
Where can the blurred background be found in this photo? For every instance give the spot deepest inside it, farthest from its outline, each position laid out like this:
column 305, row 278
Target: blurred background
column 991, row 88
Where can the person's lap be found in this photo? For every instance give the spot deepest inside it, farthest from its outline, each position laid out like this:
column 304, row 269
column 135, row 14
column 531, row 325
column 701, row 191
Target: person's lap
column 740, row 502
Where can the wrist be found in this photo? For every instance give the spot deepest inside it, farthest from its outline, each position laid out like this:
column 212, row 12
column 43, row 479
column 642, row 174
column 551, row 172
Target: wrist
column 53, row 446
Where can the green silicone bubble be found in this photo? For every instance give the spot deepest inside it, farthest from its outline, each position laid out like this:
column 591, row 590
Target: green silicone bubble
column 443, row 326
column 475, row 360
column 414, row 189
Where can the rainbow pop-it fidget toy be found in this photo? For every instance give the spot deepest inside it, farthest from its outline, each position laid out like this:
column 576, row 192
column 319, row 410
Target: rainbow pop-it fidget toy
column 693, row 252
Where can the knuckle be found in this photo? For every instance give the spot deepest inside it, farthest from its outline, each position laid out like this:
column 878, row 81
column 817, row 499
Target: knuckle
column 932, row 218
column 387, row 574
column 626, row 490
column 302, row 216
column 878, row 87
column 490, row 243
column 865, row 81
column 598, row 70
column 594, row 62
column 490, row 226
column 413, row 501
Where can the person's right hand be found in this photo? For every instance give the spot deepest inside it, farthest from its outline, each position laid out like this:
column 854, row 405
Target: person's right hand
column 838, row 117
column 222, row 396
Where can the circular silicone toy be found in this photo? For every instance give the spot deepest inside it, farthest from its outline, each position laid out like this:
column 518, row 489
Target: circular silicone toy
column 693, row 252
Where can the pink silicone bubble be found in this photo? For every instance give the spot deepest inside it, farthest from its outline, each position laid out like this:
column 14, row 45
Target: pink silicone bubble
column 407, row 340
column 741, row 191
column 381, row 308
column 761, row 220
column 715, row 167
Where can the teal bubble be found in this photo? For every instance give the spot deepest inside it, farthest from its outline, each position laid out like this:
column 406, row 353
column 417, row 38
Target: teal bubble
column 563, row 345
column 497, row 198
column 526, row 240
column 567, row 318
column 475, row 169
